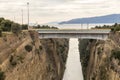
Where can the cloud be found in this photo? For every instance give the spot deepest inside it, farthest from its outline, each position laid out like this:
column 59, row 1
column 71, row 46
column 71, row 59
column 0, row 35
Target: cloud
column 52, row 10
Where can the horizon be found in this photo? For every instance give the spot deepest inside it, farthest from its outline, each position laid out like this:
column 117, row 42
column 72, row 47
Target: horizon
column 46, row 11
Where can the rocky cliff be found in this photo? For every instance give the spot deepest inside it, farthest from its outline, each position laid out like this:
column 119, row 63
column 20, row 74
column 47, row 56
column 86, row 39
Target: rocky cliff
column 101, row 59
column 26, row 57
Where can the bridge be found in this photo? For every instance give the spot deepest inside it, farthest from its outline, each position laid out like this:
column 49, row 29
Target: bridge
column 101, row 34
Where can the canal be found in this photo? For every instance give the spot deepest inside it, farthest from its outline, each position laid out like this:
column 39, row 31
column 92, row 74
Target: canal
column 73, row 66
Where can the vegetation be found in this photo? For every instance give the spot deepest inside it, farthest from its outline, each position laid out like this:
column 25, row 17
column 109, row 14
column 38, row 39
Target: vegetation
column 28, row 48
column 7, row 26
column 40, row 48
column 114, row 28
column 103, row 27
column 116, row 54
column 44, row 27
column 12, row 61
column 2, row 76
column 15, row 28
column 10, row 26
column 0, row 32
column 103, row 73
column 24, row 27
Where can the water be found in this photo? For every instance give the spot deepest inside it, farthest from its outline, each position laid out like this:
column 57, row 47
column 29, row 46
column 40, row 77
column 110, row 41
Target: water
column 73, row 67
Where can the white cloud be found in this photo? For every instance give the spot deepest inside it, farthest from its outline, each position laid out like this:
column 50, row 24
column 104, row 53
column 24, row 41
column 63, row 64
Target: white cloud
column 52, row 10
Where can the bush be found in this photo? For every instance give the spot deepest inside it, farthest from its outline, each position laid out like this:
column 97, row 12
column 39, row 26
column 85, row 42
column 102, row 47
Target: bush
column 16, row 28
column 40, row 47
column 28, row 48
column 12, row 61
column 6, row 25
column 115, row 27
column 24, row 27
column 115, row 54
column 2, row 76
column 0, row 32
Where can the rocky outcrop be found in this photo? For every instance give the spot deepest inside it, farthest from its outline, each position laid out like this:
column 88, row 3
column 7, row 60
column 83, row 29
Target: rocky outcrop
column 26, row 57
column 101, row 59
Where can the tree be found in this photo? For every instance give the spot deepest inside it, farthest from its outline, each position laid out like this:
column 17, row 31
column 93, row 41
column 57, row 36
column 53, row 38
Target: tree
column 6, row 25
column 15, row 28
column 1, row 19
column 24, row 27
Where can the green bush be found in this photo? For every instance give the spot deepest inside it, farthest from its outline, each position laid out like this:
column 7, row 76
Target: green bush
column 24, row 27
column 28, row 48
column 0, row 32
column 115, row 54
column 2, row 76
column 12, row 61
column 114, row 28
column 40, row 47
column 6, row 25
column 16, row 28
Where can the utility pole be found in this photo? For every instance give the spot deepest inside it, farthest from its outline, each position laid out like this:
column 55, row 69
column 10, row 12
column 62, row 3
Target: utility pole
column 22, row 19
column 28, row 14
column 22, row 16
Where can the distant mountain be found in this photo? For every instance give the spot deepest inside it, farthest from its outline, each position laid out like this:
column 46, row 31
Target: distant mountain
column 113, row 18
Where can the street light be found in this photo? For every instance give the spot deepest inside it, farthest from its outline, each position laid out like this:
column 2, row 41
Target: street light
column 28, row 14
column 22, row 18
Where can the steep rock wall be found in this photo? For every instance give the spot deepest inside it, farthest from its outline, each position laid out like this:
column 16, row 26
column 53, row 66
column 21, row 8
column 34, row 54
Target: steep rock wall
column 26, row 57
column 101, row 59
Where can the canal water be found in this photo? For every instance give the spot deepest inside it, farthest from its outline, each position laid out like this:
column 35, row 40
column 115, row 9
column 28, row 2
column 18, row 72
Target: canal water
column 73, row 66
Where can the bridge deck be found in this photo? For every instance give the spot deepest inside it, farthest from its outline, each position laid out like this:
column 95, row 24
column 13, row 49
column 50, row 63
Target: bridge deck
column 83, row 34
column 89, row 31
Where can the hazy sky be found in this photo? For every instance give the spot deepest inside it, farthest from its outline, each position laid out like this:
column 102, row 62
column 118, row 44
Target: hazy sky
column 43, row 11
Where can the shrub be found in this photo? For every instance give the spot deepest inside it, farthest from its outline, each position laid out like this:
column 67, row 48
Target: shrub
column 103, row 73
column 40, row 47
column 12, row 61
column 115, row 54
column 2, row 76
column 16, row 28
column 28, row 48
column 6, row 25
column 24, row 27
column 0, row 32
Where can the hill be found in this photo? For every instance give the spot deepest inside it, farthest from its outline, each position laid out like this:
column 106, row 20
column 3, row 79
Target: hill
column 113, row 18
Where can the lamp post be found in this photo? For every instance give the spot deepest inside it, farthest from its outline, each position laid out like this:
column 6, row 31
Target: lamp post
column 22, row 18
column 28, row 14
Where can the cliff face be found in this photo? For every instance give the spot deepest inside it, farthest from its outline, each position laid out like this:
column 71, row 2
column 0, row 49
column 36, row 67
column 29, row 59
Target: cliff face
column 101, row 59
column 26, row 57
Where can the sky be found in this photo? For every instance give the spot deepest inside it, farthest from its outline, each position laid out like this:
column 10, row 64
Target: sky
column 44, row 11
